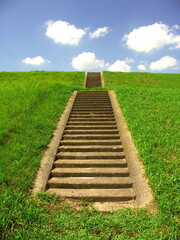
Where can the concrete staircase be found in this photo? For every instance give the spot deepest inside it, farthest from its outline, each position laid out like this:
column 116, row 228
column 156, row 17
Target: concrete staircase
column 90, row 162
column 93, row 80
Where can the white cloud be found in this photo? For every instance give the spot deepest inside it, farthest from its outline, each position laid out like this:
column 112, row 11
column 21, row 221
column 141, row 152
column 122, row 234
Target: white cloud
column 176, row 27
column 100, row 32
column 129, row 60
column 87, row 60
column 163, row 63
column 64, row 33
column 119, row 66
column 142, row 67
column 34, row 61
column 157, row 35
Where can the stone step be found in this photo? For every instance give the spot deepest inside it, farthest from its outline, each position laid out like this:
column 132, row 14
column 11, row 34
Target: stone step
column 103, row 92
column 90, row 163
column 90, row 172
column 102, row 110
column 91, row 123
column 84, row 132
column 91, row 115
column 94, row 106
column 93, row 93
column 96, row 91
column 106, row 119
column 85, row 127
column 93, row 99
column 86, row 94
column 90, row 142
column 88, row 112
column 86, row 109
column 89, row 183
column 103, row 195
column 90, row 104
column 91, row 148
column 92, row 137
column 93, row 111
column 100, row 106
column 90, row 155
column 90, row 94
column 100, row 97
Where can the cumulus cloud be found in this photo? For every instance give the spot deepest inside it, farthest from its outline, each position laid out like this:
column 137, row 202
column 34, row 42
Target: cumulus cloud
column 157, row 35
column 119, row 66
column 129, row 60
column 142, row 67
column 64, row 33
column 100, row 32
column 34, row 61
column 87, row 60
column 163, row 63
column 176, row 27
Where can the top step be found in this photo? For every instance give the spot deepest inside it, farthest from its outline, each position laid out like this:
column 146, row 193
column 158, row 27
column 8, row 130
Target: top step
column 93, row 80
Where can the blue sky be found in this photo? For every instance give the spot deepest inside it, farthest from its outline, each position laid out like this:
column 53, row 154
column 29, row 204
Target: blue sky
column 90, row 35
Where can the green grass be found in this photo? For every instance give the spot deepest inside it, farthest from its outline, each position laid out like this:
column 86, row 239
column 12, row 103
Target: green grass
column 133, row 79
column 30, row 106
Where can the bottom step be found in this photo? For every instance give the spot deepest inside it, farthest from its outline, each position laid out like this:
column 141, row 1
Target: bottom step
column 99, row 195
column 90, row 182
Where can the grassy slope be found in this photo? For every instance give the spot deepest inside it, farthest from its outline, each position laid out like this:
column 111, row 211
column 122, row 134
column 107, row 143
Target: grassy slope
column 30, row 106
column 31, row 103
column 147, row 80
column 150, row 103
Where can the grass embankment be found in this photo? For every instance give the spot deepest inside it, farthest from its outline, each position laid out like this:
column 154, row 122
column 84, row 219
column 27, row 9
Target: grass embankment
column 30, row 106
column 150, row 103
